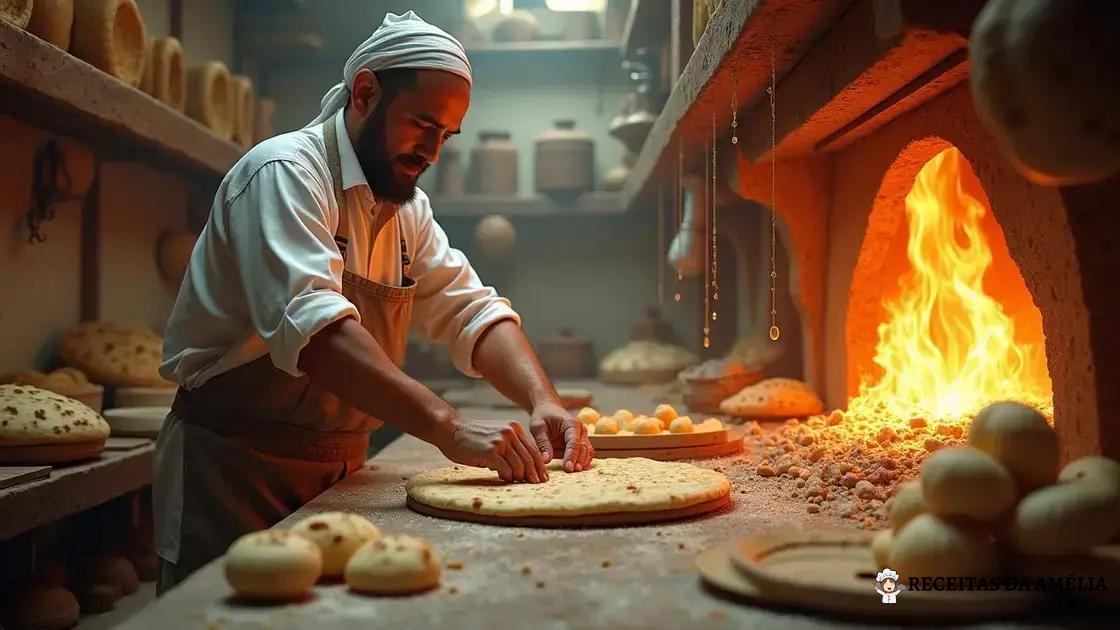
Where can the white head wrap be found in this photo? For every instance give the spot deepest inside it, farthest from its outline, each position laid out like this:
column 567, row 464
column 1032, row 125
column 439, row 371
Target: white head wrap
column 402, row 41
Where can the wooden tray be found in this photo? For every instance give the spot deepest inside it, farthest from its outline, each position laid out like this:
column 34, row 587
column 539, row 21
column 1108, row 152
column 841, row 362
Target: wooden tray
column 51, row 453
column 729, row 447
column 660, row 440
column 485, row 396
column 125, row 443
column 136, row 421
column 16, row 475
column 587, row 520
column 834, row 572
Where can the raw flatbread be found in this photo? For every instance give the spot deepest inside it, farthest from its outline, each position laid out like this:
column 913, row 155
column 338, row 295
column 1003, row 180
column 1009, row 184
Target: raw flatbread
column 32, row 416
column 609, row 486
column 774, row 397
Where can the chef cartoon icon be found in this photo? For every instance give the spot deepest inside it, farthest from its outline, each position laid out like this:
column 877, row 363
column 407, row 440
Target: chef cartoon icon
column 887, row 585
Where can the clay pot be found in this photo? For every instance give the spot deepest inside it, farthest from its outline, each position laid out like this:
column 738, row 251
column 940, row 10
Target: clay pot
column 495, row 239
column 493, row 168
column 565, row 160
column 519, row 26
column 450, row 176
column 41, row 607
column 652, row 328
column 566, row 356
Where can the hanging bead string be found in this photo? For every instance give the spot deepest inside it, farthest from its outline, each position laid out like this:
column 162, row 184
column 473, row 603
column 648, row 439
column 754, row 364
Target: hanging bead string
column 707, row 328
column 775, row 332
column 678, row 202
column 660, row 262
column 735, row 110
column 715, row 221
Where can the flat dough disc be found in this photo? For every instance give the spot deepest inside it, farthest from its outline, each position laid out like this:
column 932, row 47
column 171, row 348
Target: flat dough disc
column 610, row 486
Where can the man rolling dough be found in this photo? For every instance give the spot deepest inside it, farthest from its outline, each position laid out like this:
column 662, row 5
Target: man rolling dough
column 290, row 326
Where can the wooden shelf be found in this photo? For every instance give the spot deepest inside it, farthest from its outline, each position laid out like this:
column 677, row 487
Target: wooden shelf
column 734, row 54
column 72, row 489
column 49, row 88
column 592, row 46
column 589, row 204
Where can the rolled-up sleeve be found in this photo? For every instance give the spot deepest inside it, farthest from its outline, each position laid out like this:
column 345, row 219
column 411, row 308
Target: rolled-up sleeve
column 290, row 268
column 452, row 305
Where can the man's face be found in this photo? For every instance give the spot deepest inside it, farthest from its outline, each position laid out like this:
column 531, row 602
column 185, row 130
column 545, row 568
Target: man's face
column 403, row 134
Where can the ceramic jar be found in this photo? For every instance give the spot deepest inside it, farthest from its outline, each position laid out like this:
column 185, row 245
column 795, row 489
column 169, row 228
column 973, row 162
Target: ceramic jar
column 565, row 160
column 493, row 168
column 566, row 356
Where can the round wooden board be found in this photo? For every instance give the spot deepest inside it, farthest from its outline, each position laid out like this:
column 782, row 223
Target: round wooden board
column 659, row 440
column 51, row 453
column 684, row 452
column 136, row 421
column 485, row 396
column 585, row 520
column 834, row 572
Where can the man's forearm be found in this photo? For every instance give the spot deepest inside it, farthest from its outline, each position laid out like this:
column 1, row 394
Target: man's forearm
column 505, row 358
column 345, row 358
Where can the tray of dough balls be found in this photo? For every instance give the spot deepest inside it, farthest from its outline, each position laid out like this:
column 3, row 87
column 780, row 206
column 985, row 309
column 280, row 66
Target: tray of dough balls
column 664, row 428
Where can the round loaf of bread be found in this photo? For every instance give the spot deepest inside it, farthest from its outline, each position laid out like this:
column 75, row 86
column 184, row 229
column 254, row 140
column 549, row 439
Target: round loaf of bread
column 169, row 74
column 30, row 416
column 393, row 565
column 244, row 108
column 272, row 564
column 210, row 97
column 110, row 35
column 114, row 354
column 338, row 535
column 17, row 12
column 52, row 20
column 774, row 398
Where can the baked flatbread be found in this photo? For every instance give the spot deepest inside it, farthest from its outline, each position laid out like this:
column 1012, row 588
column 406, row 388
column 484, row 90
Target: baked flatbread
column 609, row 486
column 114, row 354
column 31, row 416
column 775, row 398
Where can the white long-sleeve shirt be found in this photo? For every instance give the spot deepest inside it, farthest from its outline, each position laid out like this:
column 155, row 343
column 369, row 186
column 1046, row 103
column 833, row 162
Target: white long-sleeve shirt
column 266, row 274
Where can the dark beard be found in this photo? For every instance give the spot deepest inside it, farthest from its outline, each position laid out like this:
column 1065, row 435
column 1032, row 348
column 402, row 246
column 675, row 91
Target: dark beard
column 373, row 156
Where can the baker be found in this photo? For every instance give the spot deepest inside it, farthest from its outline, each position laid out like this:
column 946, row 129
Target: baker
column 290, row 326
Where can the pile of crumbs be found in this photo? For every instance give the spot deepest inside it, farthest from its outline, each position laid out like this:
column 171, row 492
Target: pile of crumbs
column 849, row 465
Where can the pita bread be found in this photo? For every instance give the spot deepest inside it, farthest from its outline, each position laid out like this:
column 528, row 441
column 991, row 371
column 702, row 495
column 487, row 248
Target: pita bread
column 114, row 354
column 609, row 486
column 774, row 398
column 31, row 416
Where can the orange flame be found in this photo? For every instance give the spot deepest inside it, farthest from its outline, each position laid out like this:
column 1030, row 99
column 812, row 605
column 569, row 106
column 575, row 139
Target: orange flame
column 947, row 348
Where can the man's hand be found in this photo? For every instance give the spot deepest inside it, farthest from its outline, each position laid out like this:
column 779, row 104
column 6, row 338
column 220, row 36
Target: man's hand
column 557, row 431
column 500, row 445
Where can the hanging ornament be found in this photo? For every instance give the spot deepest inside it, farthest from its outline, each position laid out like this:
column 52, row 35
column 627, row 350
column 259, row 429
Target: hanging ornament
column 735, row 110
column 678, row 202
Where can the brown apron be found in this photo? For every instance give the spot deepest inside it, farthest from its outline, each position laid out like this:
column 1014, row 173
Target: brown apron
column 257, row 443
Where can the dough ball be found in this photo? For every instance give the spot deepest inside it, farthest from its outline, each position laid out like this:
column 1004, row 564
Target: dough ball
column 665, row 413
column 587, row 415
column 1018, row 437
column 682, row 424
column 881, row 547
column 1068, row 517
column 1098, row 470
column 929, row 546
column 647, row 426
column 110, row 569
column 622, row 415
column 606, row 426
column 1045, row 82
column 905, row 504
column 629, row 424
column 711, row 424
column 393, row 565
column 965, row 481
column 338, row 535
column 272, row 564
column 42, row 607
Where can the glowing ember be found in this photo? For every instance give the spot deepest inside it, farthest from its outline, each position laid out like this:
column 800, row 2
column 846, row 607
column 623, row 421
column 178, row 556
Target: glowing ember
column 947, row 348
